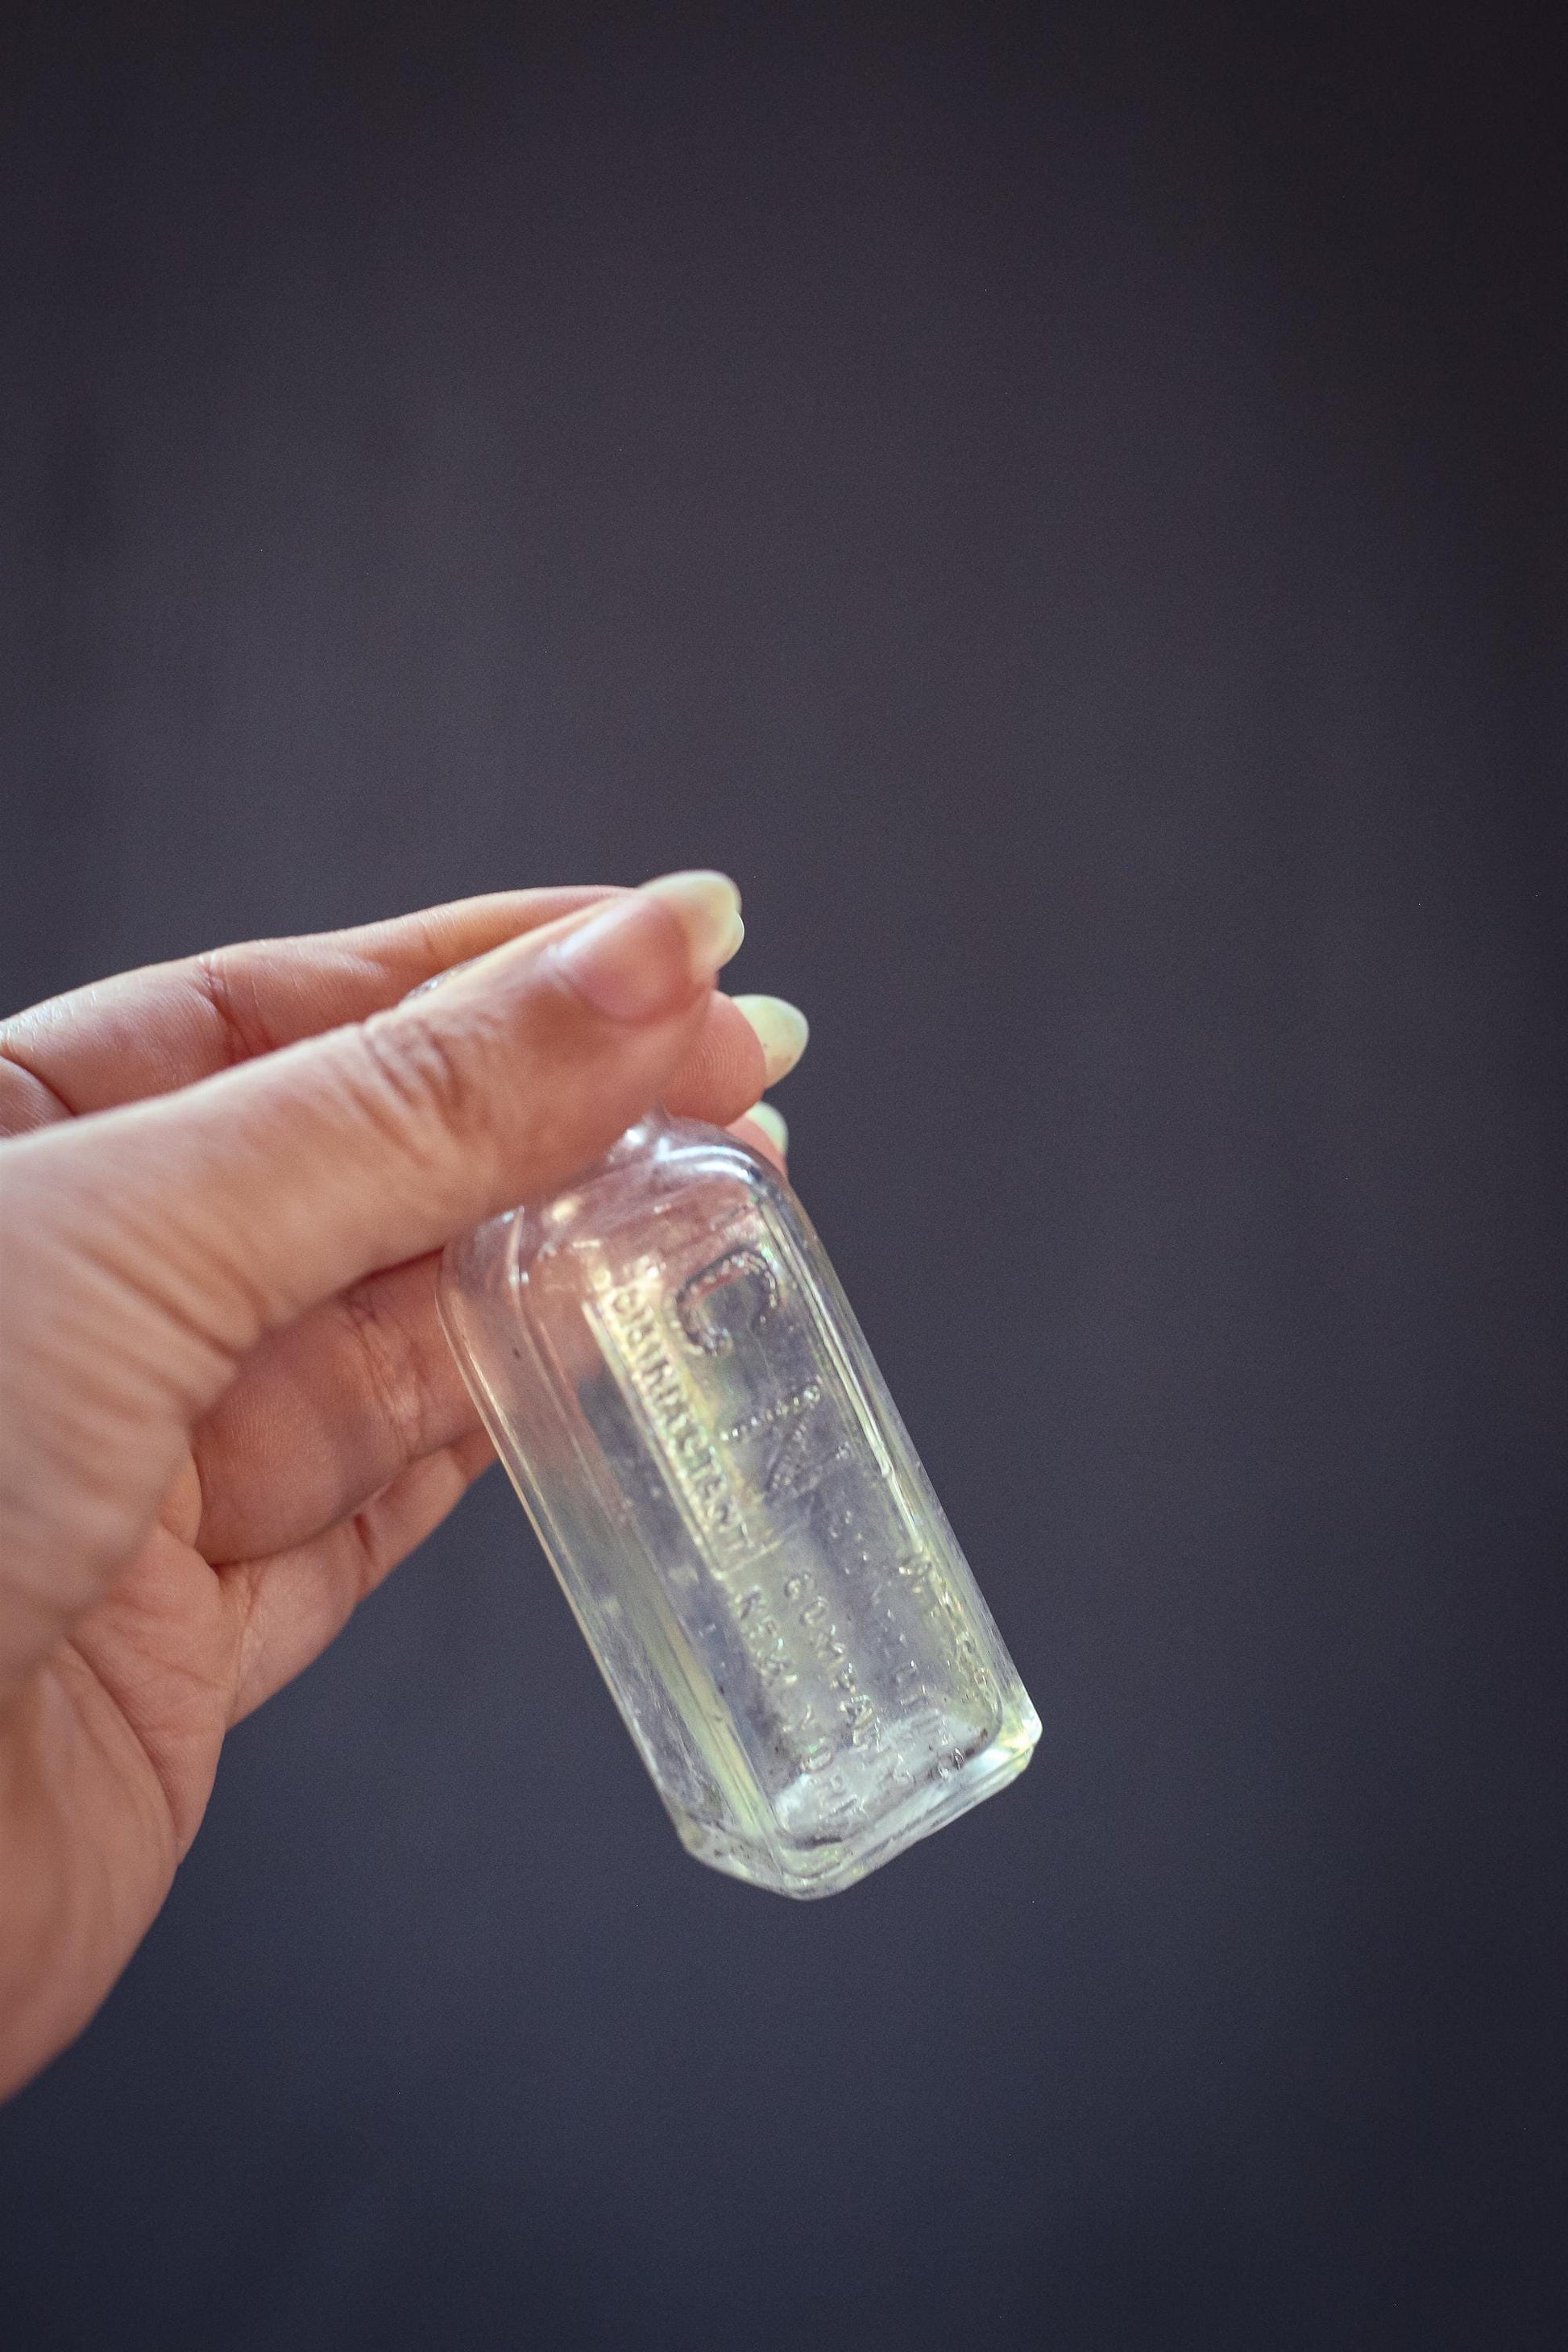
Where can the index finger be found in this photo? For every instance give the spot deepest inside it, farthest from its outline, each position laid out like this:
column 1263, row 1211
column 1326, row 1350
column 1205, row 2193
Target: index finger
column 146, row 1032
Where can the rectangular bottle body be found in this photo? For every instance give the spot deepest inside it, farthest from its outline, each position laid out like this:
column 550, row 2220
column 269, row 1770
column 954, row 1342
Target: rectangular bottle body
column 686, row 1405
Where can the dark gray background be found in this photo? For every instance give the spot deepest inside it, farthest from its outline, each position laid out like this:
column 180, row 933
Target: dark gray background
column 1068, row 509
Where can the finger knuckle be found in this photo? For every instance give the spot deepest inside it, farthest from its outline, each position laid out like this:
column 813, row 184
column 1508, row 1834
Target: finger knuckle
column 423, row 1076
column 215, row 975
column 391, row 1367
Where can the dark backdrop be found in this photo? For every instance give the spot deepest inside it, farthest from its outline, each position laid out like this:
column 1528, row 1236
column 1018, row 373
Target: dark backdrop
column 1069, row 507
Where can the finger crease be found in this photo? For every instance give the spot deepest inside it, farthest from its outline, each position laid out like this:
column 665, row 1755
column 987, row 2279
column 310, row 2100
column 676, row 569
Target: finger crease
column 367, row 1554
column 416, row 1065
column 392, row 1369
column 56, row 1105
column 241, row 1042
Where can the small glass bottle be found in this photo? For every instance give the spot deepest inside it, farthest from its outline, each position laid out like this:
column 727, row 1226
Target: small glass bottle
column 684, row 1403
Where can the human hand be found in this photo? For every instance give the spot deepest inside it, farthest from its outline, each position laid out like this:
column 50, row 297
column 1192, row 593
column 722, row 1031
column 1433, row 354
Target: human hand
column 226, row 1410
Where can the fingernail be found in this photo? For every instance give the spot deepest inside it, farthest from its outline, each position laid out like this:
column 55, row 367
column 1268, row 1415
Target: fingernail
column 781, row 1032
column 708, row 908
column 764, row 1115
column 626, row 961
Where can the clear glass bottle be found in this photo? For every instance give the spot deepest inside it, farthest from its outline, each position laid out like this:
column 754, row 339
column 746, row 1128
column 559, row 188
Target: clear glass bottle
column 684, row 1403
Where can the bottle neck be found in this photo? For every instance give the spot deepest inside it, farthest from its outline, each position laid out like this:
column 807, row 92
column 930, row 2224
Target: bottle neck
column 639, row 1138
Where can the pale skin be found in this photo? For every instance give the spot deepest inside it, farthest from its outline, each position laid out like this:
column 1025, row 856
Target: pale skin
column 226, row 1410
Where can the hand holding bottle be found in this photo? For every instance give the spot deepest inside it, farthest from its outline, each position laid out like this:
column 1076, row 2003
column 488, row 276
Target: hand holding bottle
column 226, row 1410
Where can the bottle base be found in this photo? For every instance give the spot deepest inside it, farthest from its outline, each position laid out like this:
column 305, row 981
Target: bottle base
column 806, row 1870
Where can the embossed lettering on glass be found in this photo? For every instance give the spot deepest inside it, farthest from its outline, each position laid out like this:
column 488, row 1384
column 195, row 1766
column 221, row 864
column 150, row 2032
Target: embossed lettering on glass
column 685, row 1404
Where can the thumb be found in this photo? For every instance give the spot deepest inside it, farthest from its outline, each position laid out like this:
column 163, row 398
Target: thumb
column 146, row 1249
